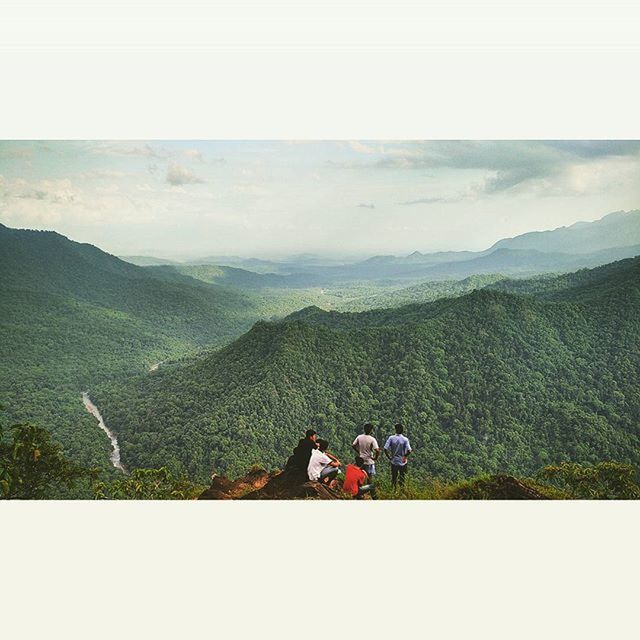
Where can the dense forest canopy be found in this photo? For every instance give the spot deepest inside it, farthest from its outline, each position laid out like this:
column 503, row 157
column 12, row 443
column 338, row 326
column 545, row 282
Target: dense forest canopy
column 489, row 381
column 72, row 315
column 489, row 373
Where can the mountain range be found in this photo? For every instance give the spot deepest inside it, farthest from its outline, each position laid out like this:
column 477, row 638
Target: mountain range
column 497, row 380
column 585, row 244
column 491, row 372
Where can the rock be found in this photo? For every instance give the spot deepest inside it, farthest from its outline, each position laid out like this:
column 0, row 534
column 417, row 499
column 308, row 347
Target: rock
column 278, row 485
column 224, row 489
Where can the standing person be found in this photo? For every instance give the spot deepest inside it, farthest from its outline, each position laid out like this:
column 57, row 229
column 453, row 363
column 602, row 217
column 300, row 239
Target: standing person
column 323, row 467
column 299, row 461
column 398, row 449
column 366, row 446
column 357, row 482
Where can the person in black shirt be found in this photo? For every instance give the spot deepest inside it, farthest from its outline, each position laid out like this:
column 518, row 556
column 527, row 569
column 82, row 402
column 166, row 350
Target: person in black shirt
column 299, row 461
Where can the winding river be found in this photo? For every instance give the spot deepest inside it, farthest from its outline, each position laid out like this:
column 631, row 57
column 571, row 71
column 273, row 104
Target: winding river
column 115, row 453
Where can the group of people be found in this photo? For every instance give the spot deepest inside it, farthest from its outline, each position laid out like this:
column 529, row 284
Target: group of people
column 311, row 457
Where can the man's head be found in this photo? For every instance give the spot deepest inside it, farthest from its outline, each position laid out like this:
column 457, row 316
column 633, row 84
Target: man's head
column 398, row 428
column 311, row 435
column 323, row 445
column 359, row 461
column 368, row 428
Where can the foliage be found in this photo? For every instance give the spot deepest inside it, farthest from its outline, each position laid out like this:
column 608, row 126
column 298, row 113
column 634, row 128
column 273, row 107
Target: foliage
column 423, row 292
column 490, row 382
column 148, row 484
column 72, row 316
column 601, row 481
column 31, row 463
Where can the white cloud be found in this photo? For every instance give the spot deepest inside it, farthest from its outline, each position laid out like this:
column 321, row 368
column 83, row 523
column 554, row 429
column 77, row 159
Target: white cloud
column 178, row 175
column 193, row 154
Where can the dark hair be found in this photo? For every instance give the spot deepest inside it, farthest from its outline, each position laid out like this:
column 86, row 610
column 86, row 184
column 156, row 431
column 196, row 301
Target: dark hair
column 360, row 461
column 323, row 445
column 398, row 428
column 368, row 428
column 309, row 433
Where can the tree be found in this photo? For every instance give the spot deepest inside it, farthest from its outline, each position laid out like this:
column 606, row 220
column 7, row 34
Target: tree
column 602, row 481
column 148, row 484
column 32, row 463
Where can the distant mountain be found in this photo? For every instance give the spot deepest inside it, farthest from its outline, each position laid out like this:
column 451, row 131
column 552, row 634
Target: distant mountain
column 489, row 382
column 526, row 262
column 243, row 278
column 585, row 244
column 146, row 261
column 47, row 262
column 423, row 292
column 618, row 229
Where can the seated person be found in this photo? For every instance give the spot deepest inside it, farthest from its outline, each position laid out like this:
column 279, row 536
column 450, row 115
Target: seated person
column 356, row 480
column 299, row 461
column 323, row 467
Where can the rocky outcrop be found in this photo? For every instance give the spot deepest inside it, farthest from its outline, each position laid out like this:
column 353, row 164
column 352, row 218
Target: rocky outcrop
column 224, row 489
column 260, row 485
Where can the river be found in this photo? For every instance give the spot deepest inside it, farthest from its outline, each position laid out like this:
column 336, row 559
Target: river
column 115, row 453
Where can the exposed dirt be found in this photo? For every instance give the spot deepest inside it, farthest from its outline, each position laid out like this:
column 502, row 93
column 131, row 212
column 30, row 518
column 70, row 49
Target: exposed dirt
column 224, row 489
column 260, row 485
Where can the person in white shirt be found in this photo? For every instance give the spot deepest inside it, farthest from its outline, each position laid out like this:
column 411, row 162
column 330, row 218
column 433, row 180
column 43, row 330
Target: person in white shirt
column 323, row 467
column 366, row 446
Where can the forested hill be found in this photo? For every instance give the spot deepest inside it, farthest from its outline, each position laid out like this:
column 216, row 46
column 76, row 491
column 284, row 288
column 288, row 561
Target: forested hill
column 492, row 381
column 72, row 315
column 48, row 263
column 610, row 282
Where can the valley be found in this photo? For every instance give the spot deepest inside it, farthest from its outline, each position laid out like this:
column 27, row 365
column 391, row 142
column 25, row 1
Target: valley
column 204, row 368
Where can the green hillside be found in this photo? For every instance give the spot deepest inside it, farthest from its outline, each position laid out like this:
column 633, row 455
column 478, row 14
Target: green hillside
column 72, row 315
column 423, row 292
column 489, row 382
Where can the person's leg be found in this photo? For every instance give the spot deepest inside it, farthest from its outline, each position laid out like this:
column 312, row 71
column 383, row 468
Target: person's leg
column 367, row 488
column 403, row 471
column 394, row 475
column 328, row 474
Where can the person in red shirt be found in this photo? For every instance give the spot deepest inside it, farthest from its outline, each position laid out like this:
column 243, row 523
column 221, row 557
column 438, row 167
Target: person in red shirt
column 356, row 481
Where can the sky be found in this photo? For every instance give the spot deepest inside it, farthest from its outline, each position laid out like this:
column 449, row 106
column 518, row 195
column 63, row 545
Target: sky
column 189, row 199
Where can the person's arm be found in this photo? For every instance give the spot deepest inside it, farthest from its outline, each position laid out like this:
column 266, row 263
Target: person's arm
column 376, row 453
column 407, row 452
column 355, row 446
column 334, row 461
column 386, row 449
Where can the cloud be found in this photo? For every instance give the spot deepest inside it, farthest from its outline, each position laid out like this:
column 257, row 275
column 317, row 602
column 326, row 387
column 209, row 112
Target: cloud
column 178, row 175
column 508, row 163
column 423, row 201
column 193, row 154
column 361, row 147
column 51, row 191
column 142, row 149
column 367, row 206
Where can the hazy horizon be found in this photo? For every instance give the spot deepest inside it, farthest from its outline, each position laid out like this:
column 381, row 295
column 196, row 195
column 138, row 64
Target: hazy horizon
column 340, row 199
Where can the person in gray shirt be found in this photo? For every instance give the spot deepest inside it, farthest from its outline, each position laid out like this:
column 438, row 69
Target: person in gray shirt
column 366, row 446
